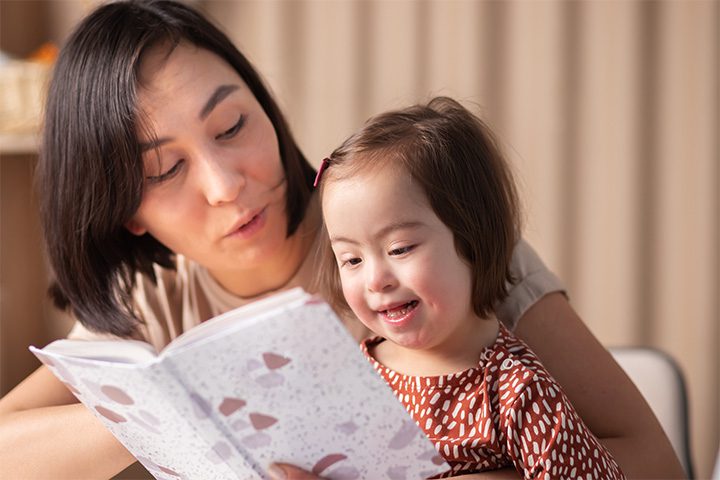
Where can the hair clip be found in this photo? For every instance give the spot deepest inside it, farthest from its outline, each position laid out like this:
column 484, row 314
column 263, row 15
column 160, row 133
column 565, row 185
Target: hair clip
column 325, row 163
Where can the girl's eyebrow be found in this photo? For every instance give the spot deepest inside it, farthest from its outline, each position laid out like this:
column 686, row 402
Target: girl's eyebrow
column 218, row 96
column 387, row 229
column 383, row 232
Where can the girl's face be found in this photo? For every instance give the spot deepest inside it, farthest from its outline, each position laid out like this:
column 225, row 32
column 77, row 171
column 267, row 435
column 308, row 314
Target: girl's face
column 215, row 186
column 400, row 272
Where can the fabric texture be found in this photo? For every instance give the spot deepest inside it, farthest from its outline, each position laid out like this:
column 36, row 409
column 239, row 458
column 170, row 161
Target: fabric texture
column 506, row 411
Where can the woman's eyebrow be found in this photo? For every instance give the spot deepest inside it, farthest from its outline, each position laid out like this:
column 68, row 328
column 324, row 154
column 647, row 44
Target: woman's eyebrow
column 145, row 146
column 218, row 96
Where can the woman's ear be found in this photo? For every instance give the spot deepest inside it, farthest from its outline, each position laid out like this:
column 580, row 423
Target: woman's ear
column 134, row 227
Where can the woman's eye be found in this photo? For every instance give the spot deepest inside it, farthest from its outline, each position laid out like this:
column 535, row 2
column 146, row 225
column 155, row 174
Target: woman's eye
column 232, row 131
column 401, row 250
column 174, row 170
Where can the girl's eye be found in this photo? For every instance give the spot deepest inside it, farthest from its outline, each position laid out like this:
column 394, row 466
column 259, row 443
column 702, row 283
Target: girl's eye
column 401, row 250
column 232, row 131
column 351, row 262
column 174, row 170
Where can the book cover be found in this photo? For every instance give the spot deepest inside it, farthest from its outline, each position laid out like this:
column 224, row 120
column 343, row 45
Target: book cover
column 278, row 380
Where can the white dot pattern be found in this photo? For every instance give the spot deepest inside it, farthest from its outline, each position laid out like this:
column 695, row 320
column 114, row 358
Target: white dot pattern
column 507, row 411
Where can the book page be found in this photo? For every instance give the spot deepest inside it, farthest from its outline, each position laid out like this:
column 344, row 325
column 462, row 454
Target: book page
column 116, row 351
column 139, row 352
column 134, row 404
column 239, row 317
column 295, row 387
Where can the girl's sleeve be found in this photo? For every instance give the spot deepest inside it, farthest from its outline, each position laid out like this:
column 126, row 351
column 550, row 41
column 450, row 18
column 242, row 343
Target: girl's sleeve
column 533, row 281
column 546, row 439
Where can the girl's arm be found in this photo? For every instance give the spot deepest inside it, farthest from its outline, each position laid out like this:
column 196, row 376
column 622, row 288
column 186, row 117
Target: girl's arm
column 45, row 433
column 543, row 434
column 602, row 394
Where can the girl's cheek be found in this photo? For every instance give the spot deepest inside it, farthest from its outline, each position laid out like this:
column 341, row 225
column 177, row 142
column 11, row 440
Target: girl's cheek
column 353, row 296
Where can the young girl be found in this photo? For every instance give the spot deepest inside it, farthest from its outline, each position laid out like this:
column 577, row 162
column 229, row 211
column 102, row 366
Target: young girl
column 421, row 216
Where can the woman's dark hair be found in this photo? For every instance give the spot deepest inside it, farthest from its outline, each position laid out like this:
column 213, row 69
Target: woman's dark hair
column 455, row 159
column 90, row 173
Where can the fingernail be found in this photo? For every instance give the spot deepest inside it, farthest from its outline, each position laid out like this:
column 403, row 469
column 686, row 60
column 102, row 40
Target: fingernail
column 276, row 472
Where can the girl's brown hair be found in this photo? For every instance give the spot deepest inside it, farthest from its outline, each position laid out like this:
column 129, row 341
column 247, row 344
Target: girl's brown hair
column 90, row 175
column 457, row 162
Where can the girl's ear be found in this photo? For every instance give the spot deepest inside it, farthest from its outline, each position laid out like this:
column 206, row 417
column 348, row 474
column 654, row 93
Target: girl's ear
column 134, row 227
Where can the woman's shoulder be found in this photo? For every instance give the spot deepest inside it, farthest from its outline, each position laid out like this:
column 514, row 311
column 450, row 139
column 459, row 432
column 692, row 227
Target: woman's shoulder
column 165, row 290
column 179, row 298
column 167, row 304
column 532, row 280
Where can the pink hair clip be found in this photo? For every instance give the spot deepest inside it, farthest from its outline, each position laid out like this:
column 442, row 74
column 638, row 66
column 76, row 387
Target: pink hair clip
column 325, row 163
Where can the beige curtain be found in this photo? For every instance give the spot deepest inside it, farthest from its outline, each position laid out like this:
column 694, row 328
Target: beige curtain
column 608, row 110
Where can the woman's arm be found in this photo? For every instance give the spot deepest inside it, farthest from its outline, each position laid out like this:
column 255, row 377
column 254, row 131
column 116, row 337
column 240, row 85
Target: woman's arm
column 601, row 392
column 45, row 433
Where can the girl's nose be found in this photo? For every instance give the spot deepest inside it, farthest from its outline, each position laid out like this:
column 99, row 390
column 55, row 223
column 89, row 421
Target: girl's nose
column 222, row 180
column 380, row 278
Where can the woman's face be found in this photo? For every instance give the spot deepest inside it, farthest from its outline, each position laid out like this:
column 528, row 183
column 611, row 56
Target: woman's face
column 214, row 183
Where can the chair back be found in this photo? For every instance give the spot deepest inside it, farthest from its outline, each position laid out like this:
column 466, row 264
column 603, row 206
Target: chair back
column 661, row 382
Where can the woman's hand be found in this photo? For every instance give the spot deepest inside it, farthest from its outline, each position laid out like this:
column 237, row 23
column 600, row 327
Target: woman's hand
column 284, row 471
column 502, row 474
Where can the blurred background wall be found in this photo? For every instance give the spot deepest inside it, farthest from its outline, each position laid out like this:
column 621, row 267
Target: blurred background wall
column 609, row 112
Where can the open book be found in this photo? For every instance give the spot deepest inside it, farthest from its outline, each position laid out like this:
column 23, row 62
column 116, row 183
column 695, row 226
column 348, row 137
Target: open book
column 278, row 380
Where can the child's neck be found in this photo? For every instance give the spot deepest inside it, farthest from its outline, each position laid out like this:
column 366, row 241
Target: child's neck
column 454, row 355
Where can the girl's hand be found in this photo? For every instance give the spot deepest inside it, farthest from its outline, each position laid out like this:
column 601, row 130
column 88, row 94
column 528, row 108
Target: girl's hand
column 284, row 471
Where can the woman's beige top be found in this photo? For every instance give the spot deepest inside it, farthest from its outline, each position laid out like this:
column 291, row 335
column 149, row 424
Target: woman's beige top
column 189, row 295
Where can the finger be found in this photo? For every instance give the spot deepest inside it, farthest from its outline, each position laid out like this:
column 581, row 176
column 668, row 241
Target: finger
column 283, row 471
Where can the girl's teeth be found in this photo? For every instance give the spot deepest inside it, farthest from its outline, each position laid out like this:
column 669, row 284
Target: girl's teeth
column 400, row 311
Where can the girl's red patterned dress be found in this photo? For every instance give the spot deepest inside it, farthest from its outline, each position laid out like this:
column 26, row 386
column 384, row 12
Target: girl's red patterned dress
column 506, row 411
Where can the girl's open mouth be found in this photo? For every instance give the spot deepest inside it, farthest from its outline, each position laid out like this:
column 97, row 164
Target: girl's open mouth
column 400, row 312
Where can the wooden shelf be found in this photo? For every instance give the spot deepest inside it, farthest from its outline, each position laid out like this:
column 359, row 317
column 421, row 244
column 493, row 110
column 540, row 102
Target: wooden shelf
column 19, row 143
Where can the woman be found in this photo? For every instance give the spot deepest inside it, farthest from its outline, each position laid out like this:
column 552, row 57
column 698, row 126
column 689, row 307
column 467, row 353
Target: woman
column 172, row 190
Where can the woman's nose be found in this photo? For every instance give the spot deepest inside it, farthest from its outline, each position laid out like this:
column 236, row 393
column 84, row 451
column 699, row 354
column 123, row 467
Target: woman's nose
column 222, row 180
column 380, row 278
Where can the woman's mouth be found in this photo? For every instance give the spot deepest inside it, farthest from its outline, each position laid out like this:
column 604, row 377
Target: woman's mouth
column 250, row 227
column 249, row 224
